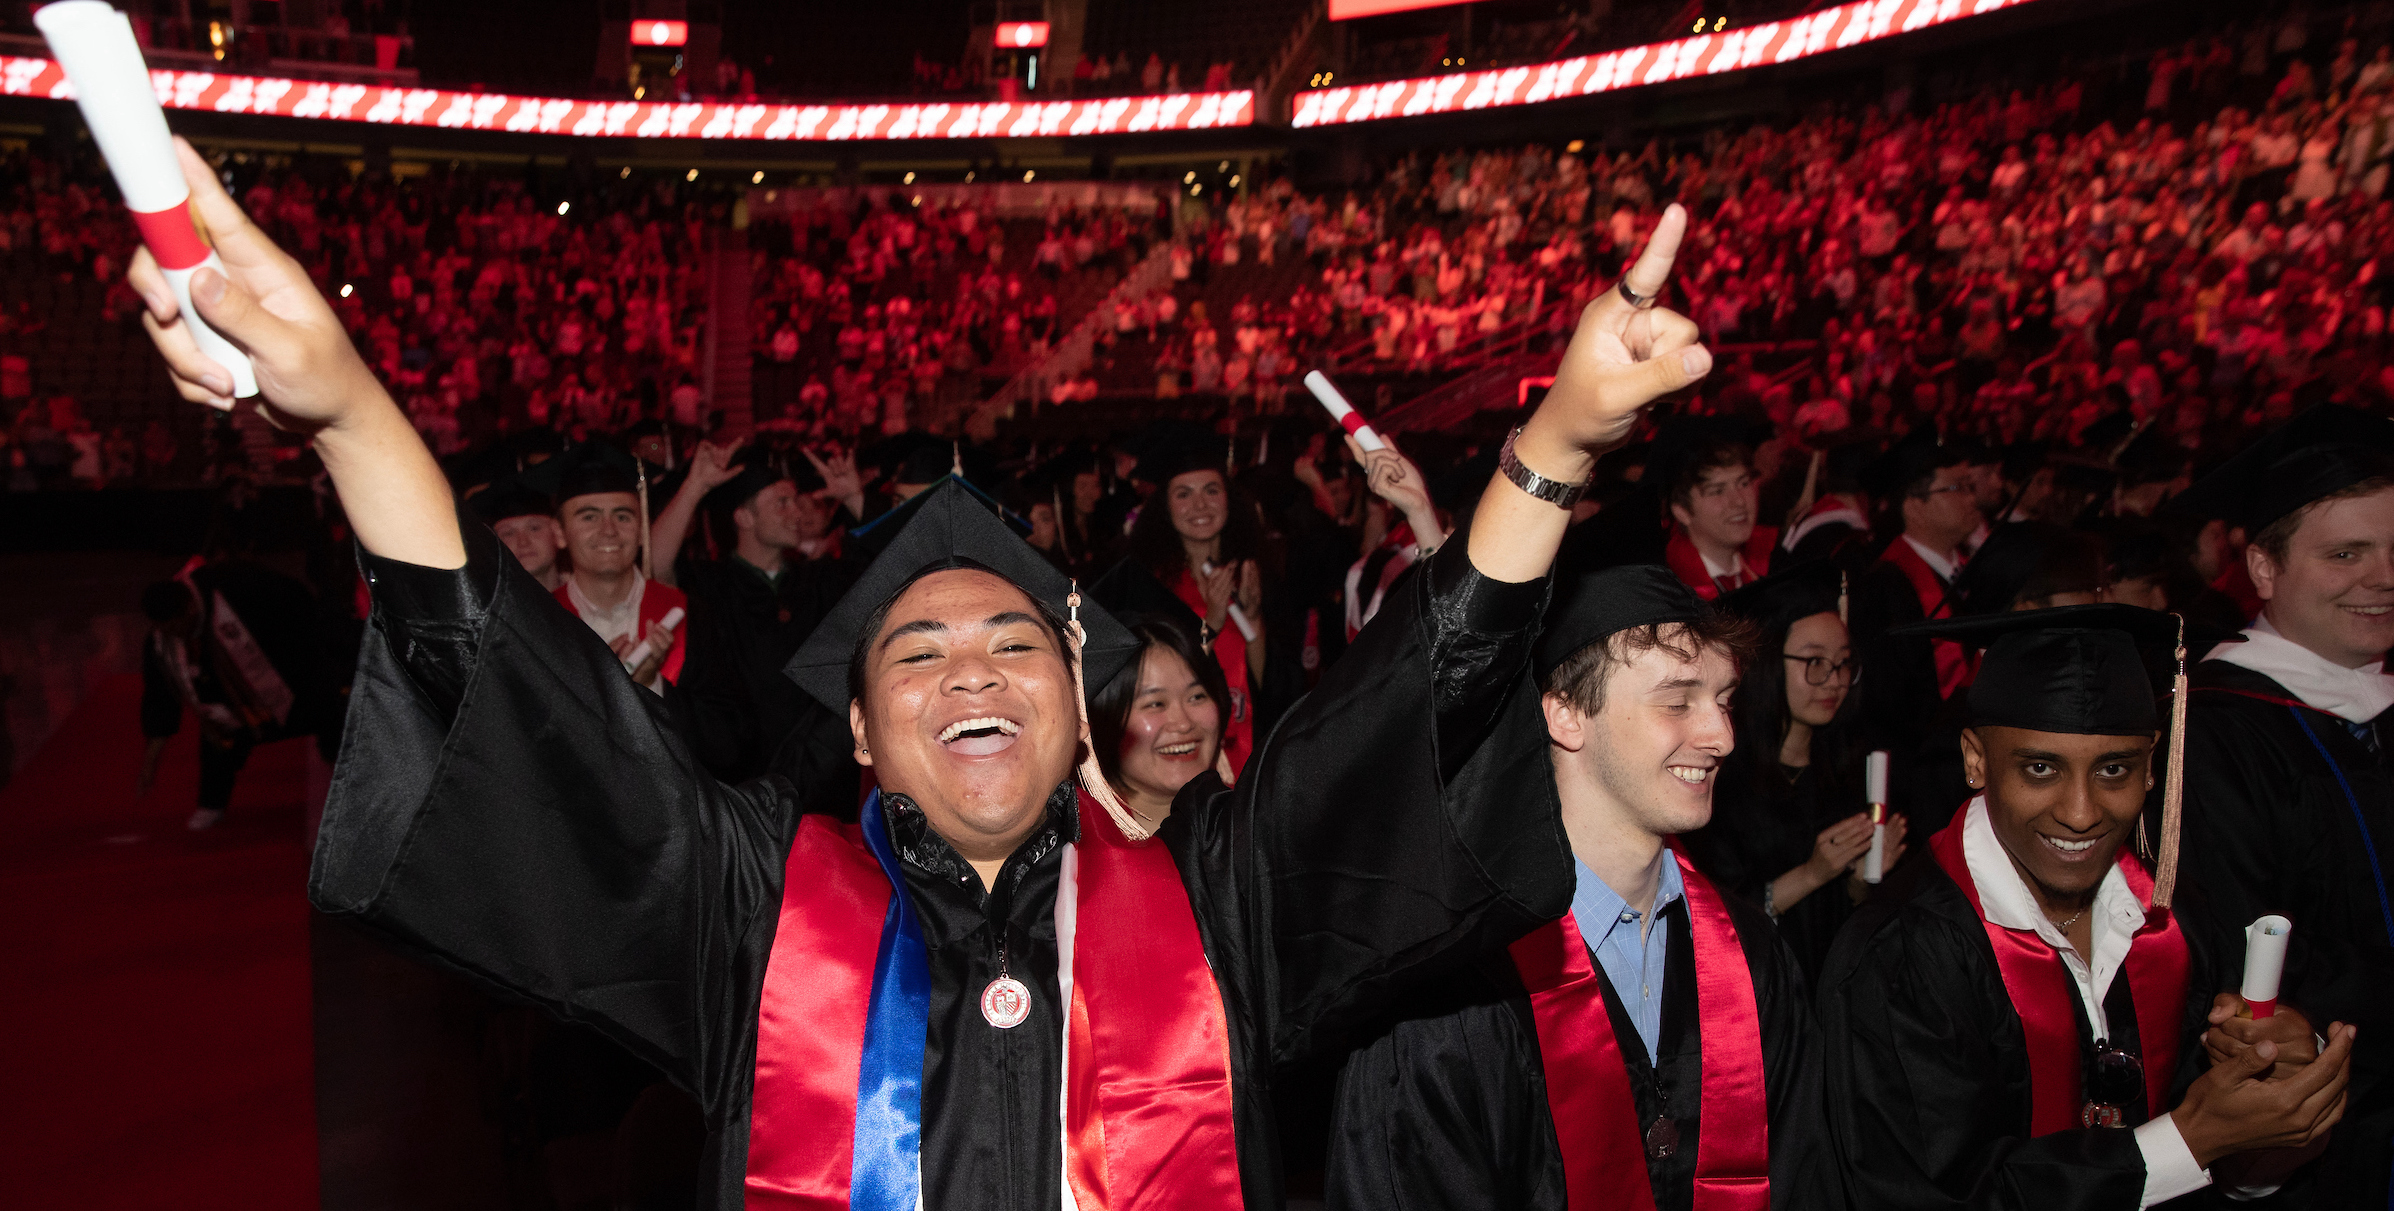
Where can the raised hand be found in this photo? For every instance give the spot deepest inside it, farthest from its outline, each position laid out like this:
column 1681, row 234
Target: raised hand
column 1395, row 479
column 310, row 377
column 840, row 479
column 309, row 374
column 711, row 464
column 1623, row 357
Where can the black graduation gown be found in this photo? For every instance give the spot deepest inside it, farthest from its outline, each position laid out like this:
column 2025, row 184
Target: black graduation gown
column 742, row 630
column 1762, row 827
column 2268, row 830
column 1927, row 1061
column 1902, row 708
column 514, row 806
column 1448, row 1108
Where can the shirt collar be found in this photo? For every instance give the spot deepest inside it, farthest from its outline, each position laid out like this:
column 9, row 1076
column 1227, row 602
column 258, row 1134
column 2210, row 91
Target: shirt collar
column 1941, row 564
column 1735, row 567
column 2358, row 695
column 1598, row 908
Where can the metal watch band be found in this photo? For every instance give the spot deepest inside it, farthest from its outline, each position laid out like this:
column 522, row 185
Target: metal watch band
column 1553, row 491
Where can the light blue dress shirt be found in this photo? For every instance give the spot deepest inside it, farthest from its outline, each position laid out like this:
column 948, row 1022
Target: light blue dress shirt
column 1634, row 965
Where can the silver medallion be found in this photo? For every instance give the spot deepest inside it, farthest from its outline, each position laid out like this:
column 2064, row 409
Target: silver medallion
column 1005, row 1002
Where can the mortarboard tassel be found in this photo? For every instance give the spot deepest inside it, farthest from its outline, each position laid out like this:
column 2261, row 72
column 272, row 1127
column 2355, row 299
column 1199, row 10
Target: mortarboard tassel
column 648, row 561
column 2173, row 786
column 1842, row 619
column 1093, row 777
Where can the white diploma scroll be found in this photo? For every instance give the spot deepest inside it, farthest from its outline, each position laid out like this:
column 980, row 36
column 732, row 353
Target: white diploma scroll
column 94, row 45
column 1874, row 779
column 640, row 653
column 1238, row 617
column 2264, row 962
column 1342, row 411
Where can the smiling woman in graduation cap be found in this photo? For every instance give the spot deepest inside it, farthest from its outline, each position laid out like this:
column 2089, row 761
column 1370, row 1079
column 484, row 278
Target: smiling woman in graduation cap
column 998, row 989
column 2006, row 1024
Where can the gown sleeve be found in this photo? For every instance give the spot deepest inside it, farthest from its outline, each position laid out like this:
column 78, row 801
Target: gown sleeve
column 513, row 806
column 1401, row 819
column 1927, row 1082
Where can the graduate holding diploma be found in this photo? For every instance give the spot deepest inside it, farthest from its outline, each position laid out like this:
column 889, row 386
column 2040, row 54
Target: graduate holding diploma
column 1001, row 987
column 2006, row 1025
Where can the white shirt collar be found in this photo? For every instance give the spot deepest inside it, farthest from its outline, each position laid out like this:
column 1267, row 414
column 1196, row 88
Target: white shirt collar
column 2359, row 695
column 623, row 619
column 2005, row 899
column 1734, row 568
column 1942, row 565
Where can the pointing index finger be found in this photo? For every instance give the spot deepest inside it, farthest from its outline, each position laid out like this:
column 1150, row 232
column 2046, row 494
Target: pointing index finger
column 1653, row 268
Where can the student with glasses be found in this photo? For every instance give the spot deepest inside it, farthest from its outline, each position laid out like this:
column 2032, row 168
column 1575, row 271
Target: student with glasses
column 2021, row 1022
column 1789, row 828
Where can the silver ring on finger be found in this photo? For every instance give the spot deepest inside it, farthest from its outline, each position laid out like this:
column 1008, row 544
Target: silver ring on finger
column 1642, row 302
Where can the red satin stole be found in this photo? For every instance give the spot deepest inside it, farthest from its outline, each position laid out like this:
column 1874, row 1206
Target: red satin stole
column 2042, row 991
column 656, row 601
column 1687, row 563
column 1230, row 651
column 1587, row 1082
column 1954, row 663
column 1148, row 1105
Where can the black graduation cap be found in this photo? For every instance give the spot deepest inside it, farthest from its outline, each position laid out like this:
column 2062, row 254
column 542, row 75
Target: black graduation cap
column 948, row 525
column 2075, row 670
column 1589, row 606
column 2319, row 453
column 2028, row 560
column 1129, row 588
column 1176, row 447
column 1909, row 461
column 1777, row 601
column 509, row 496
column 592, row 467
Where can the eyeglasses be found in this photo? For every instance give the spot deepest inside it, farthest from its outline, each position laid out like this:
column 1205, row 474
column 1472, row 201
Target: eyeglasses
column 2115, row 1079
column 1819, row 669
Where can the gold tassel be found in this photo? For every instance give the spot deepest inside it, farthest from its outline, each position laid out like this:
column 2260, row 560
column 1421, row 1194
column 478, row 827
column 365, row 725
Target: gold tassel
column 1222, row 766
column 648, row 559
column 1093, row 777
column 2173, row 787
column 1842, row 620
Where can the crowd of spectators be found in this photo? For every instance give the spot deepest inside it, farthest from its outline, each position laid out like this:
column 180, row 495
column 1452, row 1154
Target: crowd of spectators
column 890, row 311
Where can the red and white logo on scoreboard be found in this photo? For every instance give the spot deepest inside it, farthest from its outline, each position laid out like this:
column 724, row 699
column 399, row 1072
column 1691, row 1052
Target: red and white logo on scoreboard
column 1021, row 35
column 660, row 33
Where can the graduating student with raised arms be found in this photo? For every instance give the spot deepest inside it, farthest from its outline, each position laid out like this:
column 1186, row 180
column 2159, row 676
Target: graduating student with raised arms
column 997, row 990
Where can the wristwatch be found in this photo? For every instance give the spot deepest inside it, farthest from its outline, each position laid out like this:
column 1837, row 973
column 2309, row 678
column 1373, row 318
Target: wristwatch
column 1553, row 491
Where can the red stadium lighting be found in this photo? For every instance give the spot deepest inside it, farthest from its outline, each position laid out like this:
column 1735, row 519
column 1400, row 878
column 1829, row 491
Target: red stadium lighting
column 660, row 33
column 1021, row 35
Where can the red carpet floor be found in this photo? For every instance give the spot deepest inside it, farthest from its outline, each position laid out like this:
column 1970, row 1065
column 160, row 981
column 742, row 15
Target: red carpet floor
column 155, row 1010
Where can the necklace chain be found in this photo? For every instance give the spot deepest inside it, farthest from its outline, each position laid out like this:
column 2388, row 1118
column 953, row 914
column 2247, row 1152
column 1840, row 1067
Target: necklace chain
column 2064, row 926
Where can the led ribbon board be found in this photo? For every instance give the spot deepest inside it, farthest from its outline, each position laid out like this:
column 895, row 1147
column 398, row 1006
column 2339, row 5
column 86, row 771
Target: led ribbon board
column 212, row 92
column 1708, row 54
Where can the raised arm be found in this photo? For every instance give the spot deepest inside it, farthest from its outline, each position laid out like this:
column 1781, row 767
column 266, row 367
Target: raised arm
column 310, row 377
column 1622, row 358
column 710, row 468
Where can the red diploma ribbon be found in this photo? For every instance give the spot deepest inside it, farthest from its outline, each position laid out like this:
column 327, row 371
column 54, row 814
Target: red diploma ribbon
column 1587, row 1082
column 1147, row 1061
column 171, row 236
column 2041, row 990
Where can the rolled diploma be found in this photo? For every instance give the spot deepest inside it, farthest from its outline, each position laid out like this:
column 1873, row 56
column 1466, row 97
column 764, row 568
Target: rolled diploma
column 1342, row 411
column 2264, row 962
column 1874, row 779
column 1238, row 617
column 94, row 44
column 640, row 654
